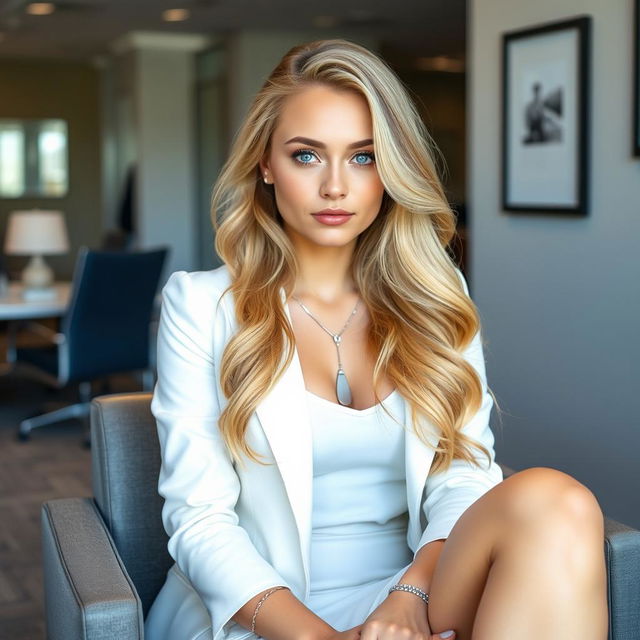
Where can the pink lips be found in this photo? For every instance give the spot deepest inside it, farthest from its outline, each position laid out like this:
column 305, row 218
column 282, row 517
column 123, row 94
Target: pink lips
column 332, row 216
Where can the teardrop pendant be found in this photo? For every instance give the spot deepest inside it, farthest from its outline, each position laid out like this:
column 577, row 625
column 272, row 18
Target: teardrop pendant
column 343, row 391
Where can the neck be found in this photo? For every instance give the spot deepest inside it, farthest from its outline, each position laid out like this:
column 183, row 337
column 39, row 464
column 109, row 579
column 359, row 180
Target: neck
column 324, row 272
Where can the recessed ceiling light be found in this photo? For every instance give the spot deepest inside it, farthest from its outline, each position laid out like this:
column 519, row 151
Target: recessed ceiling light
column 41, row 8
column 175, row 15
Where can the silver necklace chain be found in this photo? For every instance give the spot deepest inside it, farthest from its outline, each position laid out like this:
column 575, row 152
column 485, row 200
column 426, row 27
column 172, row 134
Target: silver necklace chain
column 343, row 390
column 337, row 337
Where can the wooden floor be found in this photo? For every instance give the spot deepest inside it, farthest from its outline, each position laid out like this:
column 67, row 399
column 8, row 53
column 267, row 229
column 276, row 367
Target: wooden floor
column 52, row 464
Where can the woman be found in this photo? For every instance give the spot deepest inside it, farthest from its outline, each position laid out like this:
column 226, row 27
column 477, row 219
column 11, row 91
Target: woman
column 323, row 412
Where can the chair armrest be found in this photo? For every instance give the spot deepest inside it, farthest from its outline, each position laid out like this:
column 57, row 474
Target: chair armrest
column 622, row 551
column 88, row 594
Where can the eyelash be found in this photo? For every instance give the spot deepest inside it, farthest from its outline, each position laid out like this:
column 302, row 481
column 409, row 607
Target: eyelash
column 369, row 154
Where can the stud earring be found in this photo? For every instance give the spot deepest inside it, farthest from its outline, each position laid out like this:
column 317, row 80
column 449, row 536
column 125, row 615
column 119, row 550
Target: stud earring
column 265, row 179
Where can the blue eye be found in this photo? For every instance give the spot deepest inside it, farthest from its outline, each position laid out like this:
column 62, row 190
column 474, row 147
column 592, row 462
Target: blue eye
column 364, row 158
column 303, row 156
column 307, row 156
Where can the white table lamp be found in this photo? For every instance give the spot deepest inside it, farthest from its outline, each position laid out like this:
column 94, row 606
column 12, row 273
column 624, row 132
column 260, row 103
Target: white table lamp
column 36, row 233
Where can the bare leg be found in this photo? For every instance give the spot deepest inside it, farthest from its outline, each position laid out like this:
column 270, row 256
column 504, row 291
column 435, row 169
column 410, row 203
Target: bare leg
column 525, row 561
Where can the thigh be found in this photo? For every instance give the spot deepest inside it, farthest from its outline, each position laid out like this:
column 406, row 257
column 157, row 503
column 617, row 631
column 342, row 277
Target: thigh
column 461, row 572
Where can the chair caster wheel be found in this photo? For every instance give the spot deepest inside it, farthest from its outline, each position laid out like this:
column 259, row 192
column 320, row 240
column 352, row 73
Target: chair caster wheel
column 23, row 437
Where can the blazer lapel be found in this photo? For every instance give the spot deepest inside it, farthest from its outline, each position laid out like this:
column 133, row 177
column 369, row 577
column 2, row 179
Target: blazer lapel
column 284, row 417
column 418, row 459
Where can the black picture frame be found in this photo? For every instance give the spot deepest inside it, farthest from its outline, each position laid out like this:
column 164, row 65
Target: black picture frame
column 636, row 81
column 546, row 89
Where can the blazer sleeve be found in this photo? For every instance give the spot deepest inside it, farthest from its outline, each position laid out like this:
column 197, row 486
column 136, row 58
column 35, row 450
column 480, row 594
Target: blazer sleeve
column 197, row 478
column 449, row 493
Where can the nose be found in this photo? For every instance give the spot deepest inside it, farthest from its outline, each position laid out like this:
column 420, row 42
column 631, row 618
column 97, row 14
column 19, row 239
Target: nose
column 334, row 184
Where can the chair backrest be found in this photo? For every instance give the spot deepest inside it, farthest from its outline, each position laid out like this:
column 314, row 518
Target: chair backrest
column 107, row 324
column 125, row 457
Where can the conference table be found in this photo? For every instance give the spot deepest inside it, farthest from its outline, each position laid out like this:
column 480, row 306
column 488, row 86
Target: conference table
column 14, row 308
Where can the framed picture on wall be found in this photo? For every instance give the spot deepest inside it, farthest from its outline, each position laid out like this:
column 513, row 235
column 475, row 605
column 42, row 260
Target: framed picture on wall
column 545, row 113
column 636, row 81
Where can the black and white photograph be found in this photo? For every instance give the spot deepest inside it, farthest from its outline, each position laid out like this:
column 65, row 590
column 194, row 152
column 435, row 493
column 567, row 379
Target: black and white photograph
column 543, row 116
column 545, row 108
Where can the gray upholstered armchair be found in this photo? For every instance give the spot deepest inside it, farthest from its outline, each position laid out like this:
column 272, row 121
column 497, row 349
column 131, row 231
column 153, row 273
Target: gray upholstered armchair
column 105, row 558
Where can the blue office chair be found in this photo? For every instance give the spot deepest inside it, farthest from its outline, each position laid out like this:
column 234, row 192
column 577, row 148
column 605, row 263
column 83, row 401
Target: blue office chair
column 105, row 331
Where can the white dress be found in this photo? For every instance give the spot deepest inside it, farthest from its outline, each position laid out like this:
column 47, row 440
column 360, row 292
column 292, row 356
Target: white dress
column 359, row 523
column 359, row 520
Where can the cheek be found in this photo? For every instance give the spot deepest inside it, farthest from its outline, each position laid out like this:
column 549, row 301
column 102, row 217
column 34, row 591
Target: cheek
column 293, row 186
column 292, row 199
column 372, row 190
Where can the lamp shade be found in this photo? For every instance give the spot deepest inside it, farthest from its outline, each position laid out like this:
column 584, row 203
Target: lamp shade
column 36, row 232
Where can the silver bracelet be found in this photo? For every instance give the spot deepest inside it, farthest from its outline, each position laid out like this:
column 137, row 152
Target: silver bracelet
column 411, row 589
column 264, row 597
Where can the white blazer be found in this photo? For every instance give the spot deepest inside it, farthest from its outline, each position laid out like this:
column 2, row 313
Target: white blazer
column 237, row 530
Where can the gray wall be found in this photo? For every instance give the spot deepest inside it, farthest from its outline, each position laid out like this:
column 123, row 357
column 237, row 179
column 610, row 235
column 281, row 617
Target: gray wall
column 40, row 89
column 560, row 297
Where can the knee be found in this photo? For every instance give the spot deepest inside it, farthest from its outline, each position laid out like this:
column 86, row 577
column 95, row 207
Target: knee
column 544, row 495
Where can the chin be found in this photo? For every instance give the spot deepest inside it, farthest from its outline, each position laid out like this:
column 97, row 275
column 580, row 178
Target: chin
column 323, row 236
column 336, row 239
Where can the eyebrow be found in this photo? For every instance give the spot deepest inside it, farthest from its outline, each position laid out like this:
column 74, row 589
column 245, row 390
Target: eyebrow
column 322, row 145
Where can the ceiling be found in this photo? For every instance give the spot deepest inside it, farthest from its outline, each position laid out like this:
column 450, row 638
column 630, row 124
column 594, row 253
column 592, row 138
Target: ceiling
column 85, row 29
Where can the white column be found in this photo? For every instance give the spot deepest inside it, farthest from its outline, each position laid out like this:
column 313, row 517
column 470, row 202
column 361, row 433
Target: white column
column 159, row 79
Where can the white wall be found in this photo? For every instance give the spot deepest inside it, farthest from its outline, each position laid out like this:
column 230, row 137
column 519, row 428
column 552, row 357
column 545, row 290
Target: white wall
column 559, row 297
column 166, row 154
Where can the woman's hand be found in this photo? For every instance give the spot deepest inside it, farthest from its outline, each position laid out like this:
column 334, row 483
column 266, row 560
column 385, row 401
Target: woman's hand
column 400, row 616
column 349, row 634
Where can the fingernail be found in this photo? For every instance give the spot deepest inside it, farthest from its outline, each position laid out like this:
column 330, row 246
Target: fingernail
column 446, row 634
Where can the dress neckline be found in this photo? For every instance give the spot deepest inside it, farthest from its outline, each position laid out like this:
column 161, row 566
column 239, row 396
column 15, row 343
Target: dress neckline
column 359, row 412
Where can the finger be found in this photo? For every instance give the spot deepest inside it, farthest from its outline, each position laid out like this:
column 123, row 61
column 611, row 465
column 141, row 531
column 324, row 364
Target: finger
column 371, row 631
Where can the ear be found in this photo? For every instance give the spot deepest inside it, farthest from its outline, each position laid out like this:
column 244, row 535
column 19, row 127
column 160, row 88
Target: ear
column 264, row 163
column 265, row 169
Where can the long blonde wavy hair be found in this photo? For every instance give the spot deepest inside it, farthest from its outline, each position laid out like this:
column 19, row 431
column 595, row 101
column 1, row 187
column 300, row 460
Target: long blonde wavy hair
column 421, row 319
